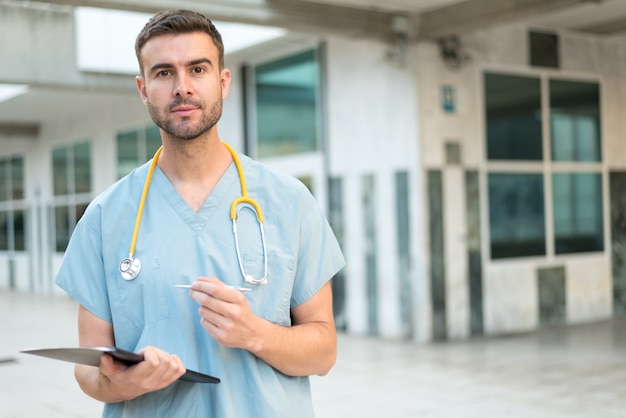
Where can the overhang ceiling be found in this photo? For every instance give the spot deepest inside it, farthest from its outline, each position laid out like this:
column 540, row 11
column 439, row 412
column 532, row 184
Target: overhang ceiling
column 426, row 18
column 605, row 17
column 417, row 19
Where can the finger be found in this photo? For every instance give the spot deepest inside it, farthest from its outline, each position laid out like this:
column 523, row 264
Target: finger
column 170, row 368
column 108, row 366
column 213, row 330
column 208, row 292
column 158, row 360
column 213, row 280
column 213, row 317
column 204, row 287
column 221, row 312
column 207, row 284
column 160, row 367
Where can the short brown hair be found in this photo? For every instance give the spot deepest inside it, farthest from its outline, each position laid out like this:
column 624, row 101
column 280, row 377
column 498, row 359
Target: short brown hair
column 175, row 22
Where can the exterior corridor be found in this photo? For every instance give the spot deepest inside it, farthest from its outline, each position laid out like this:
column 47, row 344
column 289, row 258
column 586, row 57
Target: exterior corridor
column 559, row 372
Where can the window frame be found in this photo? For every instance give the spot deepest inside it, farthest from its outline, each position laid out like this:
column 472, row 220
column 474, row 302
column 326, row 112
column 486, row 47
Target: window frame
column 546, row 167
column 310, row 167
column 270, row 68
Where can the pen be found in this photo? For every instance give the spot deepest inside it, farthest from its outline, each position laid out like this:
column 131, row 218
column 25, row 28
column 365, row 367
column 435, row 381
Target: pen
column 188, row 286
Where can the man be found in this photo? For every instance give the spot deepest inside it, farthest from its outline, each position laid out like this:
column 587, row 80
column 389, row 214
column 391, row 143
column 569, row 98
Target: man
column 263, row 343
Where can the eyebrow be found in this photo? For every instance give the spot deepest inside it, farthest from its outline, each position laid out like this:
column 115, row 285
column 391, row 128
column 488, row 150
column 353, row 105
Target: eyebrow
column 165, row 65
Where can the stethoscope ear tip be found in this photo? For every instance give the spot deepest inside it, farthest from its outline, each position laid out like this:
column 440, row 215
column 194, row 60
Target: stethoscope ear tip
column 250, row 279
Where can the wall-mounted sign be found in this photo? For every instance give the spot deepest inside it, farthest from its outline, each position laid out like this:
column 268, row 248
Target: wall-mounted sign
column 448, row 99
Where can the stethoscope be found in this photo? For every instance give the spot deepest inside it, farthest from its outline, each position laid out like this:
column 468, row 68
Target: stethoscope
column 131, row 266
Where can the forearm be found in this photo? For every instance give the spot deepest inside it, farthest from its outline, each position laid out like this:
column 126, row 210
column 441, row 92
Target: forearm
column 306, row 348
column 300, row 350
column 95, row 384
column 93, row 332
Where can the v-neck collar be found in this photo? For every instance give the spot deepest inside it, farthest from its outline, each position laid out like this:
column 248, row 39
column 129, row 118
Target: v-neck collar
column 195, row 220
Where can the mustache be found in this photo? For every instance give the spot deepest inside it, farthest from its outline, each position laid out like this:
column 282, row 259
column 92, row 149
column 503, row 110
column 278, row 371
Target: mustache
column 179, row 101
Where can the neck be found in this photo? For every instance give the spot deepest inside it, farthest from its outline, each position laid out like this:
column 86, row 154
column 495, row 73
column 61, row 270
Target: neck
column 189, row 160
column 194, row 167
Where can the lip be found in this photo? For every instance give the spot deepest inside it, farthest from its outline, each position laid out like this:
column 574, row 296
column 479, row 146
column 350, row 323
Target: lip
column 184, row 110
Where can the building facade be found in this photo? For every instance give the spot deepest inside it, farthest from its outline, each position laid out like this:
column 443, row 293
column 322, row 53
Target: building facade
column 476, row 187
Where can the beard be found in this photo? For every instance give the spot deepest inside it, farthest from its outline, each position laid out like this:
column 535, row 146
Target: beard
column 185, row 129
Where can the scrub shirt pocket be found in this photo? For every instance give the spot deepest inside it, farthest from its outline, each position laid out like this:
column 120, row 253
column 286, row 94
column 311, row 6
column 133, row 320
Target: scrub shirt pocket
column 143, row 300
column 271, row 300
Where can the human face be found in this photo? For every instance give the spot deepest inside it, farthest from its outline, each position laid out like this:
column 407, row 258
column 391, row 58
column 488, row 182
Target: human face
column 182, row 84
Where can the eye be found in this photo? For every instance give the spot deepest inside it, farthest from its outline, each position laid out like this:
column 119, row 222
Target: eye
column 162, row 74
column 197, row 70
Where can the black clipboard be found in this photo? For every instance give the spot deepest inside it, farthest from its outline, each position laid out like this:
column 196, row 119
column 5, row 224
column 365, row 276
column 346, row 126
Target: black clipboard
column 91, row 357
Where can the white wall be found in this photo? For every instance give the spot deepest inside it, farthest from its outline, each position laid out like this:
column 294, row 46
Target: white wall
column 373, row 129
column 510, row 287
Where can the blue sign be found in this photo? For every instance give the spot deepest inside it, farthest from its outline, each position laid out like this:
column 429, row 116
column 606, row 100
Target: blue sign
column 448, row 99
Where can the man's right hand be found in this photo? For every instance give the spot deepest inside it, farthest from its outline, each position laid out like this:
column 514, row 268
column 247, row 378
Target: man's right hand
column 158, row 370
column 114, row 381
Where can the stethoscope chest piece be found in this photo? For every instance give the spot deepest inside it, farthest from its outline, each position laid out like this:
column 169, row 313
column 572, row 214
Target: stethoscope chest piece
column 130, row 268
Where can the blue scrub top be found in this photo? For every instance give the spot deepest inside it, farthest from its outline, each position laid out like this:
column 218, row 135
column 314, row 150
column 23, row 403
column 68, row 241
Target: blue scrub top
column 176, row 246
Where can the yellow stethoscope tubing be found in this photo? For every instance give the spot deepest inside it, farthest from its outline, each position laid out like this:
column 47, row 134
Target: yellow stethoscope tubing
column 244, row 189
column 142, row 202
column 243, row 200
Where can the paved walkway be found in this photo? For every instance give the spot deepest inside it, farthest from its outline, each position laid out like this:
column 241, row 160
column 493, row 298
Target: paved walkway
column 562, row 372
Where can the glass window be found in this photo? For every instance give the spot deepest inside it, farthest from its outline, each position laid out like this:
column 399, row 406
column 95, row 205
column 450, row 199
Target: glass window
column 135, row 147
column 577, row 203
column 17, row 178
column 286, row 103
column 516, row 215
column 72, row 187
column 82, row 168
column 4, row 230
column 575, row 121
column 19, row 230
column 12, row 206
column 127, row 152
column 72, row 169
column 61, row 227
column 5, row 183
column 60, row 168
column 513, row 112
column 517, row 220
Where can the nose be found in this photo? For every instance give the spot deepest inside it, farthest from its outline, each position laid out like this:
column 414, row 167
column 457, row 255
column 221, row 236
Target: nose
column 183, row 86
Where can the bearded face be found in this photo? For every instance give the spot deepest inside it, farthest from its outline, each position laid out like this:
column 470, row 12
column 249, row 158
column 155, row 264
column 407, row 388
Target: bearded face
column 182, row 84
column 185, row 127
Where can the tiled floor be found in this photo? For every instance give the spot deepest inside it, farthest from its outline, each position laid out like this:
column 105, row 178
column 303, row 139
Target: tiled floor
column 577, row 371
column 560, row 372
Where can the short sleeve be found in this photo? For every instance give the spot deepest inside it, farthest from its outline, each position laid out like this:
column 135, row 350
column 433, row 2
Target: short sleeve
column 319, row 256
column 81, row 274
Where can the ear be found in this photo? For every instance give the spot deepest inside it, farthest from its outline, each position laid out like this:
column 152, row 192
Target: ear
column 141, row 86
column 225, row 82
